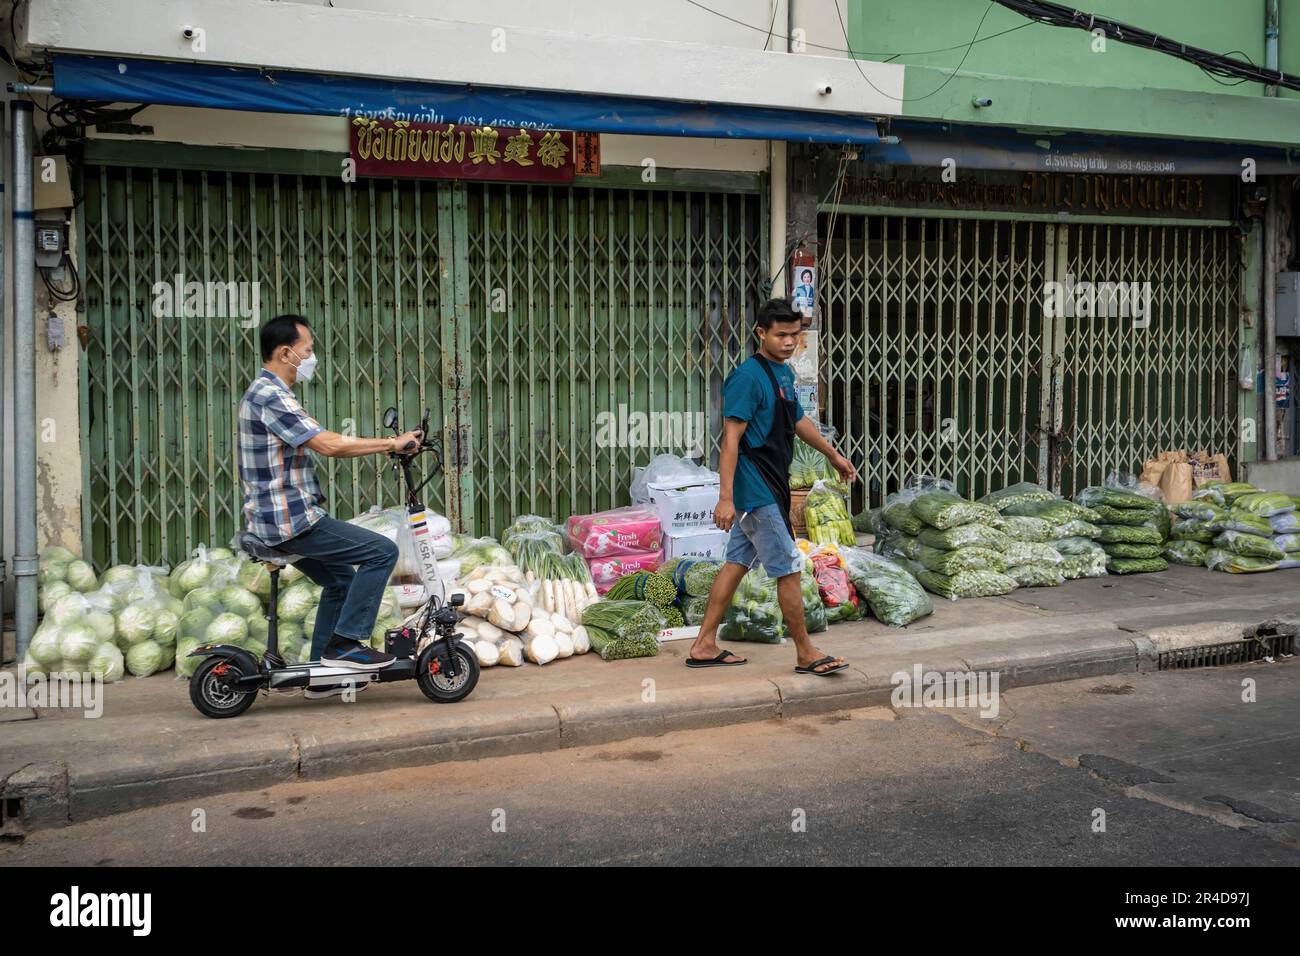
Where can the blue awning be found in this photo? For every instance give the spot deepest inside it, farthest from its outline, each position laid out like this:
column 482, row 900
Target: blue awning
column 122, row 80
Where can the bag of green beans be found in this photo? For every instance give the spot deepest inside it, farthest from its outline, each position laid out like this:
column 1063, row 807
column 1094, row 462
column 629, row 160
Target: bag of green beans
column 1191, row 553
column 1122, row 550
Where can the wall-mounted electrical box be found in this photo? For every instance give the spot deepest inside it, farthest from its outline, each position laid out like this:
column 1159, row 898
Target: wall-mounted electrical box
column 51, row 242
column 1288, row 304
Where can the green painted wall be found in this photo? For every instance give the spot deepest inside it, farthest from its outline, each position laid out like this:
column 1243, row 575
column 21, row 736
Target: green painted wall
column 1049, row 77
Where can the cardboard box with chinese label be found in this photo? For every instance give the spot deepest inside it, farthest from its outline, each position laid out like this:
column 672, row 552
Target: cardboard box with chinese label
column 709, row 545
column 684, row 510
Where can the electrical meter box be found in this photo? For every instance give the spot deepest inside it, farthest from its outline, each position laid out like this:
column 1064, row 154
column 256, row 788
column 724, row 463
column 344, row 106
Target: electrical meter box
column 1288, row 304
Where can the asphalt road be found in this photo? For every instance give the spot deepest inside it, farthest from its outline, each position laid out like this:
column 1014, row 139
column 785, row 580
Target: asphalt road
column 1181, row 770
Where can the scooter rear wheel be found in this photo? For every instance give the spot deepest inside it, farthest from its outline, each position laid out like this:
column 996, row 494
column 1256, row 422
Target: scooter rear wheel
column 208, row 695
column 436, row 685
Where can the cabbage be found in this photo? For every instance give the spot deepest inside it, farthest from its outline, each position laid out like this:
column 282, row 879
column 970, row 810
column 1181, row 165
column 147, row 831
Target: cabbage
column 32, row 667
column 77, row 644
column 82, row 576
column 102, row 623
column 255, row 647
column 166, row 626
column 190, row 575
column 144, row 659
column 309, row 622
column 226, row 629
column 382, row 625
column 56, row 554
column 56, row 572
column 253, row 576
column 168, row 657
column 67, row 609
column 296, row 602
column 107, row 664
column 288, row 631
column 238, row 601
column 105, row 600
column 289, row 575
column 119, row 576
column 136, row 623
column 388, row 606
column 186, row 665
column 204, row 597
column 194, row 624
column 220, row 554
column 45, row 645
column 304, row 653
column 52, row 592
column 260, row 630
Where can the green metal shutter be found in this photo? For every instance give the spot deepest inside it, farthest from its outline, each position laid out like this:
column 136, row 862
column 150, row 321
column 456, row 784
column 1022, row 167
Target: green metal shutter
column 362, row 262
column 583, row 299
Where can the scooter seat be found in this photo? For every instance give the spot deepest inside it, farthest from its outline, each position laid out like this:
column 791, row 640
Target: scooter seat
column 259, row 550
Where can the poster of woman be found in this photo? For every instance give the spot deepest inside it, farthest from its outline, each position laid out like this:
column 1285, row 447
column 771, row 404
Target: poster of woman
column 805, row 291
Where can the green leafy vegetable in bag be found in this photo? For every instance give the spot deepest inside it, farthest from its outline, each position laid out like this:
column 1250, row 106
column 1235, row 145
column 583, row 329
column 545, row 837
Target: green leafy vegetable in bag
column 1265, row 503
column 1287, row 542
column 1020, row 553
column 1115, row 498
column 1057, row 511
column 961, row 559
column 943, row 509
column 1136, row 565
column 1121, row 550
column 868, row 522
column 1022, row 528
column 892, row 593
column 1036, row 575
column 1191, row 553
column 1249, row 545
column 1192, row 529
column 965, row 536
column 964, row 584
column 1217, row 559
column 1020, row 493
column 1125, row 516
column 897, row 513
column 1114, row 533
column 1197, row 508
column 899, row 545
column 1085, row 565
column 1235, row 519
column 1076, row 546
column 1077, row 528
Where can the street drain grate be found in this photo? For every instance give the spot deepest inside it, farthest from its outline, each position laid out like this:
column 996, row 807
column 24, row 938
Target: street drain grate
column 1266, row 641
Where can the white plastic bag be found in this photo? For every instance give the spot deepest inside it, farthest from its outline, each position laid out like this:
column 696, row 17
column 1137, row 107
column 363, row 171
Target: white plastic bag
column 669, row 470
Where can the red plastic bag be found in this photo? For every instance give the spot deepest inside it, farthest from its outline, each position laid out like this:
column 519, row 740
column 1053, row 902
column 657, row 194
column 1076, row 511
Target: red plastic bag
column 837, row 593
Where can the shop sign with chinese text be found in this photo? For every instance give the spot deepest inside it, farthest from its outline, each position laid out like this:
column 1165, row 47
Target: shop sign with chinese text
column 457, row 151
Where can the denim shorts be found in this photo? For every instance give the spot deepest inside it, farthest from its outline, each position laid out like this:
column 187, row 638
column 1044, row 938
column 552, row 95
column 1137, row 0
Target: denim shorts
column 761, row 537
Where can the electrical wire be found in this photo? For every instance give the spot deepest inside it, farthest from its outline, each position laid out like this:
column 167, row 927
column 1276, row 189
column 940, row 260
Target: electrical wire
column 1054, row 14
column 72, row 292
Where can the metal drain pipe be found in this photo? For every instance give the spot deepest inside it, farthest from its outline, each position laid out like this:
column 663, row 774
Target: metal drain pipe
column 24, row 259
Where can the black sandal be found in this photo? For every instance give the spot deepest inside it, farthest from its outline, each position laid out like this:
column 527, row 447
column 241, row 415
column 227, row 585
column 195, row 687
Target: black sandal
column 719, row 661
column 812, row 668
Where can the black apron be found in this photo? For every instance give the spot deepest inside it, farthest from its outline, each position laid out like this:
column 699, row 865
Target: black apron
column 773, row 457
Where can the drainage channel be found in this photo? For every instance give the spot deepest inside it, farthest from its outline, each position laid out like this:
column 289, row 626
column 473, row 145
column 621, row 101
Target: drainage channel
column 1261, row 642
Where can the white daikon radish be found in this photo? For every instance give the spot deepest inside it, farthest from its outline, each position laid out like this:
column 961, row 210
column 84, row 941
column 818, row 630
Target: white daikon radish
column 562, row 623
column 564, row 644
column 523, row 614
column 479, row 603
column 511, row 651
column 489, row 631
column 541, row 650
column 540, row 627
column 487, row 652
column 581, row 642
column 478, row 586
column 502, row 615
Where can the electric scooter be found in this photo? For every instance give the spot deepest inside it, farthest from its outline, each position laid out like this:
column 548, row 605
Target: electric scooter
column 426, row 645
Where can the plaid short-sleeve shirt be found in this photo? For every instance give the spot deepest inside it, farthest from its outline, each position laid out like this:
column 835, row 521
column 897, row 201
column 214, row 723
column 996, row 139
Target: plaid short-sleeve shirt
column 281, row 495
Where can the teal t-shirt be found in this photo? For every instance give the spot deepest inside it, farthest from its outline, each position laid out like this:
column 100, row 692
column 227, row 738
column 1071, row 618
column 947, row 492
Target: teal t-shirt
column 747, row 396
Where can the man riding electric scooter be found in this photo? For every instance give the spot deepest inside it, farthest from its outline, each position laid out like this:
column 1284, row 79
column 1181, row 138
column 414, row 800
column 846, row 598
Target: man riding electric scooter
column 282, row 502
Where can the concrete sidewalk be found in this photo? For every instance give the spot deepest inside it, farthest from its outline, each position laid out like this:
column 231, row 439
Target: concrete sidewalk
column 151, row 746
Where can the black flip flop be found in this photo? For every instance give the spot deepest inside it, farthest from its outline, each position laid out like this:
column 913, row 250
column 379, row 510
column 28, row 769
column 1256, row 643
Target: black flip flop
column 719, row 661
column 812, row 668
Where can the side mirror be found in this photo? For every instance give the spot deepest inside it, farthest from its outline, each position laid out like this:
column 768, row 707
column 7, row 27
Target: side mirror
column 390, row 418
column 457, row 599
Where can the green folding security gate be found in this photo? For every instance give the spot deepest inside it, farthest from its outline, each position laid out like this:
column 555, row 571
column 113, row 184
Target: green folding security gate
column 516, row 314
column 938, row 358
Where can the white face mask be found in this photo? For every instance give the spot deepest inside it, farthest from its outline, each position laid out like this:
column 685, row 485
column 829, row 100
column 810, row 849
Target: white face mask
column 306, row 366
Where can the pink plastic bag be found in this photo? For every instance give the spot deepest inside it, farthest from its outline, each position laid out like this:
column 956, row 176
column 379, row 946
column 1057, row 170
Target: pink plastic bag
column 632, row 530
column 605, row 571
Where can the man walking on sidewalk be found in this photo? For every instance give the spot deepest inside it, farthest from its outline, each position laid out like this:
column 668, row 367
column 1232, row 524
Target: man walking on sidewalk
column 761, row 416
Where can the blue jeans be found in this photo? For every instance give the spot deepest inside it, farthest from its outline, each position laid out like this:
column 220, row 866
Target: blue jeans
column 353, row 566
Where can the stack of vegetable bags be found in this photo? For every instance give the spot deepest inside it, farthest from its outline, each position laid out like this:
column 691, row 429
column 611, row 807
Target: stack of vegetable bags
column 1253, row 531
column 960, row 548
column 1030, row 511
column 826, row 515
column 475, row 552
column 618, row 542
column 833, row 585
column 1032, row 562
column 755, row 612
column 892, row 593
column 693, row 580
column 619, row 630
column 1133, row 528
column 1191, row 534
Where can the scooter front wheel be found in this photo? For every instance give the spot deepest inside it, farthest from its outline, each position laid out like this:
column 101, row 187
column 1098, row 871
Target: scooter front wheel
column 211, row 690
column 434, row 681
